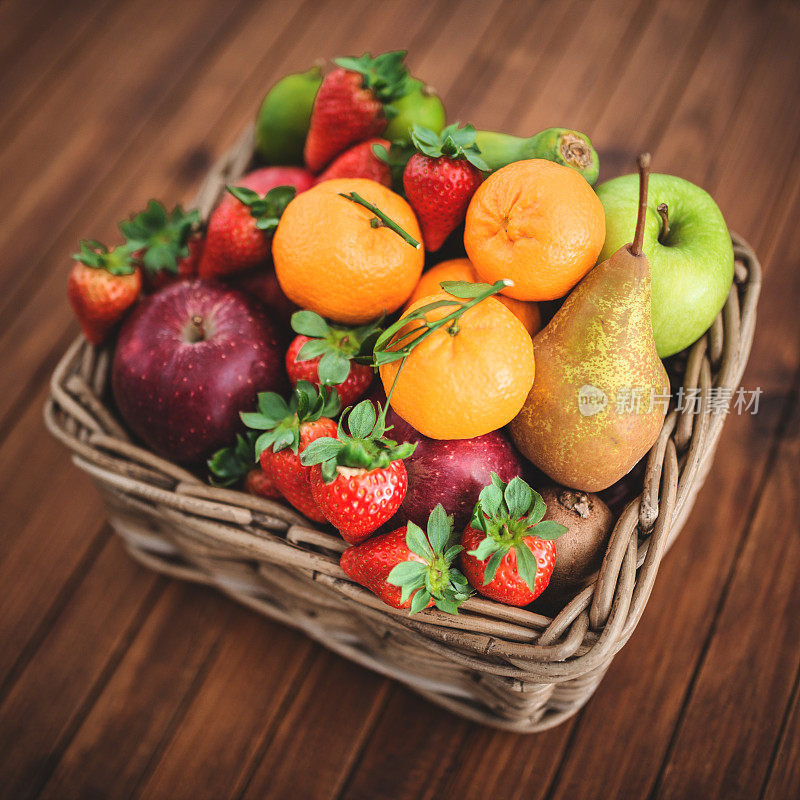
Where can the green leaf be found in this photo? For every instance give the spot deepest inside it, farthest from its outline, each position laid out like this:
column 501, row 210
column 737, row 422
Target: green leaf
column 538, row 510
column 526, row 565
column 490, row 500
column 452, row 552
column 406, row 572
column 417, row 543
column 487, row 546
column 333, row 368
column 492, row 565
column 548, row 530
column 518, row 496
column 272, row 406
column 313, row 348
column 263, row 442
column 258, row 422
column 440, row 526
column 243, row 194
column 408, row 588
column 310, row 324
column 420, row 601
column 329, row 470
column 446, row 605
column 362, row 420
column 464, row 290
column 322, row 449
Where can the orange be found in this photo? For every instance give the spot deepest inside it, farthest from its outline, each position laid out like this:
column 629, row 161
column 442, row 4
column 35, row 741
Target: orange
column 539, row 224
column 461, row 269
column 329, row 258
column 466, row 383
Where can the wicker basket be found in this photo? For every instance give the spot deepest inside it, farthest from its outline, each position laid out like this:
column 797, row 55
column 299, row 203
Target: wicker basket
column 507, row 667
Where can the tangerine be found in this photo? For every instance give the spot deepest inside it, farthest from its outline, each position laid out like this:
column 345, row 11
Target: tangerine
column 461, row 269
column 537, row 223
column 331, row 258
column 463, row 380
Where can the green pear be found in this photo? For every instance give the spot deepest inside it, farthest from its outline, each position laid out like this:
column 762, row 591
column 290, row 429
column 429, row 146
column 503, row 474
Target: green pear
column 419, row 106
column 283, row 119
column 561, row 145
column 600, row 393
column 689, row 248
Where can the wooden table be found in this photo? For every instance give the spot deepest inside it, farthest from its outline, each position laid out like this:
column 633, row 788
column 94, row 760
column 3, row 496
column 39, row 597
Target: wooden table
column 115, row 682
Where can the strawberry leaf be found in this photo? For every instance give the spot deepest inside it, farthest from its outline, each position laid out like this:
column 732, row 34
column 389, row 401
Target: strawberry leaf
column 384, row 75
column 230, row 464
column 310, row 324
column 323, row 449
column 490, row 499
column 492, row 565
column 361, row 419
column 453, row 143
column 313, row 348
column 417, row 543
column 538, row 510
column 117, row 261
column 333, row 368
column 518, row 497
column 526, row 565
column 406, row 572
column 440, row 526
column 420, row 601
column 548, row 530
column 266, row 210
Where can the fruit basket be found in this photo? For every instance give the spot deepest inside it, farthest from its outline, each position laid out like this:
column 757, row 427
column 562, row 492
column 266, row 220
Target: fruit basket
column 503, row 666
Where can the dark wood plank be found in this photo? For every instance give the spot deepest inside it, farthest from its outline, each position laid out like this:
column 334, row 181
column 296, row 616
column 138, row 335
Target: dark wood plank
column 50, row 699
column 784, row 775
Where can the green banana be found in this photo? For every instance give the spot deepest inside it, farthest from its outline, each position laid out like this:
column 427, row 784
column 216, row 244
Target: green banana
column 282, row 122
column 562, row 145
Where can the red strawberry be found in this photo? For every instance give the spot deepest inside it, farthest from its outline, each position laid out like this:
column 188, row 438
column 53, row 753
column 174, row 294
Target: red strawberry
column 102, row 286
column 259, row 483
column 360, row 162
column 408, row 569
column 167, row 245
column 323, row 355
column 288, row 428
column 352, row 104
column 441, row 178
column 230, row 465
column 240, row 227
column 361, row 480
column 509, row 553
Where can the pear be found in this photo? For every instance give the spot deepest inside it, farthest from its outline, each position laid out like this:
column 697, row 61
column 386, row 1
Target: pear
column 600, row 393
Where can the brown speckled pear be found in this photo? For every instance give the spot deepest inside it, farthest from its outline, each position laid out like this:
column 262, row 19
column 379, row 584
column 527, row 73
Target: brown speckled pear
column 599, row 397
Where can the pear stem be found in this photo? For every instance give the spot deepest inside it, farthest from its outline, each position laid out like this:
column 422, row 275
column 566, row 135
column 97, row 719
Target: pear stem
column 643, row 162
column 663, row 210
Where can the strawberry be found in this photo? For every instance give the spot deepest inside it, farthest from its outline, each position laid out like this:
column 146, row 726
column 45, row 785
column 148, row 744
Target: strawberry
column 259, row 483
column 353, row 104
column 102, row 286
column 167, row 245
column 234, row 241
column 360, row 161
column 239, row 232
column 323, row 354
column 408, row 569
column 237, row 462
column 509, row 553
column 440, row 179
column 288, row 429
column 361, row 479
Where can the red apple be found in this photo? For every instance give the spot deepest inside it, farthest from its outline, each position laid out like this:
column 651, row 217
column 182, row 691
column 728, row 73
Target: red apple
column 188, row 360
column 450, row 471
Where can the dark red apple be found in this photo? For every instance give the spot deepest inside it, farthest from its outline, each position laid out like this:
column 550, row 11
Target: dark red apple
column 450, row 471
column 188, row 360
column 262, row 283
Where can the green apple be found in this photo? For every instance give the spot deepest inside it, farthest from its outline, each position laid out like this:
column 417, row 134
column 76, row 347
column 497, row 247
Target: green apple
column 284, row 116
column 689, row 248
column 419, row 106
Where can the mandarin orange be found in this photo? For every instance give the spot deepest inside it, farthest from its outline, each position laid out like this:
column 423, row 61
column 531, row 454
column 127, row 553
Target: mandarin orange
column 464, row 381
column 537, row 223
column 461, row 269
column 330, row 258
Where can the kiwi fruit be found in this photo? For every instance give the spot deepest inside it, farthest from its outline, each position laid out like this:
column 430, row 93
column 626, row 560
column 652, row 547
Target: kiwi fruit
column 579, row 551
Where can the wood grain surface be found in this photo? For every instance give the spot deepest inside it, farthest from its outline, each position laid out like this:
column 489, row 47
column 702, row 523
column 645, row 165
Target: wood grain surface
column 116, row 683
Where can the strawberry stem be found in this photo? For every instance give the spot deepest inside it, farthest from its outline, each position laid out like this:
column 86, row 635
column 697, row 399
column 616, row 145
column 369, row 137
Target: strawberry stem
column 382, row 220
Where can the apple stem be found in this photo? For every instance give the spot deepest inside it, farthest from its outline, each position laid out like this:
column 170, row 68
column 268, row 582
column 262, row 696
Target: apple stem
column 643, row 162
column 197, row 332
column 663, row 210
